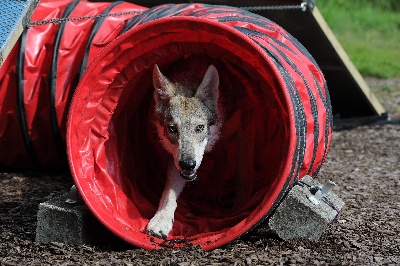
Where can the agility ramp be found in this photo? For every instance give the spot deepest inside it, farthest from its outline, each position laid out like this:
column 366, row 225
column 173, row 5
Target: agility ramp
column 14, row 15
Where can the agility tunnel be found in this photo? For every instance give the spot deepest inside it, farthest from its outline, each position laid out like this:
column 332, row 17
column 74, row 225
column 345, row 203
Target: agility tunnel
column 277, row 121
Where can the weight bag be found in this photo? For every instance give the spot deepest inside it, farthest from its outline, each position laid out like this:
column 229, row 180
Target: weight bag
column 40, row 75
column 277, row 124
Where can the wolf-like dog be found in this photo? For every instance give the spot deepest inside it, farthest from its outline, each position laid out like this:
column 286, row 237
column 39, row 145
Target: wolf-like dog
column 187, row 120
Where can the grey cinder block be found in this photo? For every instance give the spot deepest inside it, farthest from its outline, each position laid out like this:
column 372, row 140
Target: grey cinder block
column 298, row 217
column 58, row 221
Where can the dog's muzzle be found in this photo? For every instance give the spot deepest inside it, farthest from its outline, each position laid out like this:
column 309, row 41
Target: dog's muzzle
column 187, row 169
column 188, row 175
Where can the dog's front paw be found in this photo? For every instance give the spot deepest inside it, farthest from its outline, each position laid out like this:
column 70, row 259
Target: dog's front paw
column 160, row 225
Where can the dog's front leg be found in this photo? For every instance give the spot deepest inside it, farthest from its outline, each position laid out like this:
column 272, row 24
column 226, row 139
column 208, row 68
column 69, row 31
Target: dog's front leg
column 161, row 224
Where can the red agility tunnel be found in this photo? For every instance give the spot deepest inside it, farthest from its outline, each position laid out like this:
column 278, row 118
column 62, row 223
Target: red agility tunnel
column 40, row 75
column 277, row 126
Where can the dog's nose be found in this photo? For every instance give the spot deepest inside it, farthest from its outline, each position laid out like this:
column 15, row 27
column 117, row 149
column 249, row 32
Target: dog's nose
column 187, row 165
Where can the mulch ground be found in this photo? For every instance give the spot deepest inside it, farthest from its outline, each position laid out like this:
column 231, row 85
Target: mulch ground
column 363, row 162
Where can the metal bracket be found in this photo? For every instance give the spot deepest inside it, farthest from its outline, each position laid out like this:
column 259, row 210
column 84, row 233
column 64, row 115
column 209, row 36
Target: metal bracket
column 321, row 192
column 310, row 5
column 73, row 196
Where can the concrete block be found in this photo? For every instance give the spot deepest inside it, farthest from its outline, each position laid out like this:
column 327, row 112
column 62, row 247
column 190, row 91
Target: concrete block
column 298, row 217
column 58, row 221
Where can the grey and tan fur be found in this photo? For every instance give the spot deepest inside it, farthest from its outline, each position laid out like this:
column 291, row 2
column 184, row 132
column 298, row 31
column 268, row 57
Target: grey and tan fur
column 187, row 122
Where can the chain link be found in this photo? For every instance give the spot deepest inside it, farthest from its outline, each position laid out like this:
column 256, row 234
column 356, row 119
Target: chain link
column 56, row 21
column 302, row 7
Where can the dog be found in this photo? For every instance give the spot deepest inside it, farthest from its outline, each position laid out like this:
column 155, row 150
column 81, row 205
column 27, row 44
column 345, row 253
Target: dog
column 188, row 121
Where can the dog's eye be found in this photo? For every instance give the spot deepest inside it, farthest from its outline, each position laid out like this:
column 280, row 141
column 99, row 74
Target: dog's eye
column 199, row 128
column 173, row 129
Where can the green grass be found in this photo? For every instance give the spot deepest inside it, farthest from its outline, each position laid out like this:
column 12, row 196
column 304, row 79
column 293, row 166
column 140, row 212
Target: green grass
column 369, row 33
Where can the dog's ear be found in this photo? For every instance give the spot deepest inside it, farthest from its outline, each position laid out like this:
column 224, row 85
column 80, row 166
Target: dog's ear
column 207, row 91
column 163, row 88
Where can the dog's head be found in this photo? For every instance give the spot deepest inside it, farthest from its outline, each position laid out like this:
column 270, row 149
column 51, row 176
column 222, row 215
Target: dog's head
column 184, row 116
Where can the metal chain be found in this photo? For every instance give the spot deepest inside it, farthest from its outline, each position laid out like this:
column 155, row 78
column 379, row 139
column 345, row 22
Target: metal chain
column 302, row 7
column 56, row 21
